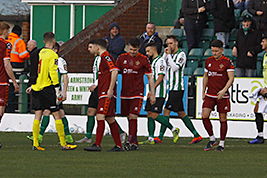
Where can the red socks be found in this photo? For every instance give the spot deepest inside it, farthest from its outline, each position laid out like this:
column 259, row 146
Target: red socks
column 115, row 133
column 133, row 131
column 223, row 130
column 207, row 125
column 99, row 132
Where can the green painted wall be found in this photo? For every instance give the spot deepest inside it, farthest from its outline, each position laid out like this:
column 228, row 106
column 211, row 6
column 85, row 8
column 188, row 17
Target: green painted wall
column 164, row 12
column 94, row 12
column 42, row 22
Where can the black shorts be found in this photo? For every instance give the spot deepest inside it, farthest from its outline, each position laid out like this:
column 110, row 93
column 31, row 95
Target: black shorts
column 175, row 101
column 45, row 99
column 93, row 99
column 60, row 106
column 157, row 107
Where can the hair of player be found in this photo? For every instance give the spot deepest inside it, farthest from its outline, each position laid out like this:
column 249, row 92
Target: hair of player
column 217, row 44
column 171, row 37
column 49, row 36
column 152, row 44
column 3, row 26
column 151, row 23
column 56, row 46
column 100, row 42
column 134, row 42
column 264, row 38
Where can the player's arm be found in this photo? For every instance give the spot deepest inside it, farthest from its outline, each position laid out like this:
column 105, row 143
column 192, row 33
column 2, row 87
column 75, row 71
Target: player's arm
column 151, row 88
column 114, row 75
column 231, row 75
column 65, row 86
column 10, row 73
column 53, row 71
column 159, row 80
column 205, row 83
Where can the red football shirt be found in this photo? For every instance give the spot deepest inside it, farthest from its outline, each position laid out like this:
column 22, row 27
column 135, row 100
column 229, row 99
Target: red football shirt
column 5, row 49
column 217, row 74
column 106, row 66
column 133, row 70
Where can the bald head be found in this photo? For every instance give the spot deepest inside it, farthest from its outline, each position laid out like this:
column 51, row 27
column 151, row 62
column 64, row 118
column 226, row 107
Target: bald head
column 31, row 45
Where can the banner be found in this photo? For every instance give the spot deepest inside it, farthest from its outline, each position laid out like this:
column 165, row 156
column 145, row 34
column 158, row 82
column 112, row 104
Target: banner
column 242, row 108
column 78, row 89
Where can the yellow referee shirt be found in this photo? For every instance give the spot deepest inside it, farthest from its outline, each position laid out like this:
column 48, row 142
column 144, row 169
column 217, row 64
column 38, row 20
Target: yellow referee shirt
column 47, row 70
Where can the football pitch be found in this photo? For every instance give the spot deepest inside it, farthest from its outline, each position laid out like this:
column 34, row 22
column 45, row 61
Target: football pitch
column 239, row 159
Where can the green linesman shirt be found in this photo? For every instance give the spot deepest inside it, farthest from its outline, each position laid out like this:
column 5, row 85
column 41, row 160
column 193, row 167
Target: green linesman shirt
column 96, row 69
column 159, row 67
column 264, row 71
column 175, row 70
column 47, row 70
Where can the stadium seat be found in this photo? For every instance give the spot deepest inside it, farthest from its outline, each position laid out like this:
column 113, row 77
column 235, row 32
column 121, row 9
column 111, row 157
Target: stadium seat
column 199, row 71
column 195, row 53
column 204, row 45
column 188, row 71
column 207, row 34
column 237, row 13
column 206, row 55
column 185, row 50
column 179, row 33
column 184, row 44
column 228, row 53
column 233, row 34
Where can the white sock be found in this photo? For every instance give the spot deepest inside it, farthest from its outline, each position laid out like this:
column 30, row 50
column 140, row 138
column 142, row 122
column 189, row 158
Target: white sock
column 221, row 143
column 212, row 138
column 260, row 134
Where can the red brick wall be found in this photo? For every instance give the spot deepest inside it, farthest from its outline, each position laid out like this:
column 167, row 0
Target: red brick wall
column 25, row 31
column 132, row 23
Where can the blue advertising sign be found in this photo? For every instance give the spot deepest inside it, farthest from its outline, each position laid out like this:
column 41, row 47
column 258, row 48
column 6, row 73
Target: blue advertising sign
column 143, row 112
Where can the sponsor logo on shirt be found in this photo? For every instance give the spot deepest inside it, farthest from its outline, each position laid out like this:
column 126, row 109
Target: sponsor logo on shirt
column 129, row 71
column 221, row 66
column 213, row 74
column 124, row 62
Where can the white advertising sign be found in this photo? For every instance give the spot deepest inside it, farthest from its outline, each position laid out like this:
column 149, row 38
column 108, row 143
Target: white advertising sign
column 241, row 106
column 78, row 89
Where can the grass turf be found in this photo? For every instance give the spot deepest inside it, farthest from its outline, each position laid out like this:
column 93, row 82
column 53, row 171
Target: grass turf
column 161, row 160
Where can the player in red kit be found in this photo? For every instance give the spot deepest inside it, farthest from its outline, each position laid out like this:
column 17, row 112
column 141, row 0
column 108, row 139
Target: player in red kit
column 107, row 76
column 133, row 67
column 217, row 79
column 5, row 69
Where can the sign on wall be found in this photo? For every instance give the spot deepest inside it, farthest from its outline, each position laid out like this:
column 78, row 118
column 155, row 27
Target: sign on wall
column 241, row 106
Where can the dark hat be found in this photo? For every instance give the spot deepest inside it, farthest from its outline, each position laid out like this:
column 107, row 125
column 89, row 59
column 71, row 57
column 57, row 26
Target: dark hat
column 17, row 29
column 114, row 24
column 247, row 18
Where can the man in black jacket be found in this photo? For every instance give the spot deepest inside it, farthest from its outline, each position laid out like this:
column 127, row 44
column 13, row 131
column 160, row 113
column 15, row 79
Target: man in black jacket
column 195, row 17
column 246, row 48
column 150, row 36
column 258, row 8
column 224, row 18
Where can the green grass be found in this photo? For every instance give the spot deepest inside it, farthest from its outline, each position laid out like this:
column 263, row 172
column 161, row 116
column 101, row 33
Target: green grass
column 161, row 160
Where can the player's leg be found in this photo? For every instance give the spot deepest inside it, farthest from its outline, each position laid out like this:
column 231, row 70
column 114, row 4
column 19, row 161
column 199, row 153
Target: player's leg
column 115, row 134
column 68, row 136
column 258, row 110
column 44, row 124
column 150, row 124
column 188, row 123
column 91, row 113
column 2, row 110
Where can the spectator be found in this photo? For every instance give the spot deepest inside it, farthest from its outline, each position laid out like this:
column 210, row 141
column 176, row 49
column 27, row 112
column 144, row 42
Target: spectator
column 150, row 36
column 241, row 4
column 19, row 52
column 116, row 43
column 31, row 46
column 246, row 48
column 224, row 19
column 194, row 20
column 179, row 23
column 258, row 8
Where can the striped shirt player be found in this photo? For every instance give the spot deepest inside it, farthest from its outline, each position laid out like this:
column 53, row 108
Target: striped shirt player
column 175, row 71
column 93, row 99
column 264, row 72
column 62, row 70
column 159, row 67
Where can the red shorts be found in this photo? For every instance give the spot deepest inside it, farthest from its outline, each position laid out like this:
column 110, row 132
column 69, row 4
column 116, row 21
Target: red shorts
column 3, row 95
column 106, row 106
column 131, row 106
column 223, row 105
